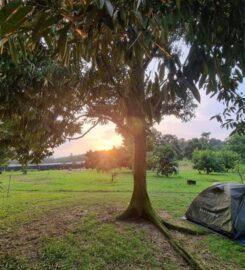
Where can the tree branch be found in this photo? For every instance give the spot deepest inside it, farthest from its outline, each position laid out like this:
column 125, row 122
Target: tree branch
column 148, row 60
column 104, row 112
column 79, row 137
column 165, row 53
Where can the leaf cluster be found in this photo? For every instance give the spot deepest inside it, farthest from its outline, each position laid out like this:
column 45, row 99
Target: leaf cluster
column 214, row 161
column 35, row 107
column 165, row 162
column 126, row 37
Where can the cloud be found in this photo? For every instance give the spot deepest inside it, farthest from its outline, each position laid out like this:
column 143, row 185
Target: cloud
column 201, row 123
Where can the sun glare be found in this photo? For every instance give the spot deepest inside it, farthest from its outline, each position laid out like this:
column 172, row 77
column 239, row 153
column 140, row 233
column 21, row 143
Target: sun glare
column 108, row 144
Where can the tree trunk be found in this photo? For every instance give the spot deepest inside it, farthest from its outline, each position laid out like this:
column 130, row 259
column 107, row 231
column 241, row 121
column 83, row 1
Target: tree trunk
column 241, row 176
column 24, row 168
column 140, row 205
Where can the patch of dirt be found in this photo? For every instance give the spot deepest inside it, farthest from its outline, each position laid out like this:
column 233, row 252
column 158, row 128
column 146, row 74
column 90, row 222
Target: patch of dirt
column 163, row 251
column 164, row 254
column 164, row 214
column 25, row 241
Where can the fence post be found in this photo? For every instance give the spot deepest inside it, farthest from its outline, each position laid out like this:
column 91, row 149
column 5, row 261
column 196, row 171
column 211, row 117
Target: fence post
column 8, row 191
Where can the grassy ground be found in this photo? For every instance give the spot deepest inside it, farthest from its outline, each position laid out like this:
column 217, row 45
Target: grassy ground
column 66, row 220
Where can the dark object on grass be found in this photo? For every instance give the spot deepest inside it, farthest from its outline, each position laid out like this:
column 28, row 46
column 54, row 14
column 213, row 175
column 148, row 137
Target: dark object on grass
column 221, row 208
column 191, row 182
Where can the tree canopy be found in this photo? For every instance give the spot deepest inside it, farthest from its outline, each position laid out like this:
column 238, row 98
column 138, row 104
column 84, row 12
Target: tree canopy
column 33, row 119
column 105, row 32
column 165, row 160
column 213, row 32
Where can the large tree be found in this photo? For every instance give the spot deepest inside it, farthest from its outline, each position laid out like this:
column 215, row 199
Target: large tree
column 133, row 102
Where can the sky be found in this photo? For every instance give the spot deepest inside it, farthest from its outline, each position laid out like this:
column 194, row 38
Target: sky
column 105, row 137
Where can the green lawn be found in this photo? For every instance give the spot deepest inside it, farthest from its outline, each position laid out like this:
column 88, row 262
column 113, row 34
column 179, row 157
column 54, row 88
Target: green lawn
column 66, row 220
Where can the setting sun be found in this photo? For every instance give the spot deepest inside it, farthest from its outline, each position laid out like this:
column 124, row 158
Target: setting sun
column 107, row 144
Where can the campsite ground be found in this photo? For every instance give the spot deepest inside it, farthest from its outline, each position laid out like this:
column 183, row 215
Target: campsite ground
column 67, row 220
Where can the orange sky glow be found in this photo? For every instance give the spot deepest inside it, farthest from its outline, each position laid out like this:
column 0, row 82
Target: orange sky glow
column 105, row 137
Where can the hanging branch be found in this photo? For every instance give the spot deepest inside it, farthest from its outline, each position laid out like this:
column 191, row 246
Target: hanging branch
column 149, row 59
column 165, row 53
column 79, row 137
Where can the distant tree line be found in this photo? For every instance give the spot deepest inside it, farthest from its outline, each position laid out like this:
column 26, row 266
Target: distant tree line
column 163, row 153
column 207, row 153
column 165, row 150
column 66, row 159
column 184, row 148
column 231, row 156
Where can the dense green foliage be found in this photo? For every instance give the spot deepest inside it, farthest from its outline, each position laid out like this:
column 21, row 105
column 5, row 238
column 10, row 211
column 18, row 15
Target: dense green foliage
column 214, row 161
column 183, row 148
column 202, row 143
column 240, row 169
column 124, row 30
column 165, row 162
column 5, row 156
column 123, row 33
column 31, row 125
column 207, row 160
column 229, row 159
column 236, row 143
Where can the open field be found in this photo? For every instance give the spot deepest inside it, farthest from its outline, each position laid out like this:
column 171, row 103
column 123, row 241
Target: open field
column 67, row 220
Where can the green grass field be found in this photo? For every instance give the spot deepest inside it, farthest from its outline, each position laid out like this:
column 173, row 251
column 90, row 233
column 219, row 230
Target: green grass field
column 67, row 220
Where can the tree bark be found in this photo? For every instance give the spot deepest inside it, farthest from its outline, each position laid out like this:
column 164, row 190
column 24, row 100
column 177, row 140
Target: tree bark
column 24, row 168
column 140, row 205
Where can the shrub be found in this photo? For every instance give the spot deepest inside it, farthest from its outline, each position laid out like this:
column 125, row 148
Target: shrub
column 208, row 161
column 229, row 159
column 165, row 160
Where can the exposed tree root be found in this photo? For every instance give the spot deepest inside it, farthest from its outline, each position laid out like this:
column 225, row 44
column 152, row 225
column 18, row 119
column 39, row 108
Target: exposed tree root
column 181, row 229
column 149, row 214
column 177, row 247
